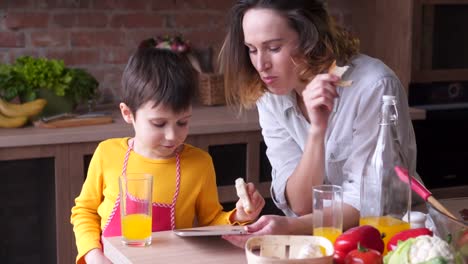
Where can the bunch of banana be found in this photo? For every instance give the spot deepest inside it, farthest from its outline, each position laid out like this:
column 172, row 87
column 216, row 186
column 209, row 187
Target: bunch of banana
column 17, row 115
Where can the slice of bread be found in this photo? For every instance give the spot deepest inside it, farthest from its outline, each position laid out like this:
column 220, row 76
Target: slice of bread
column 339, row 71
column 241, row 189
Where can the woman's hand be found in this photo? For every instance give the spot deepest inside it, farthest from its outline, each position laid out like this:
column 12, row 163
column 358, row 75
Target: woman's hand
column 96, row 256
column 266, row 225
column 257, row 202
column 318, row 96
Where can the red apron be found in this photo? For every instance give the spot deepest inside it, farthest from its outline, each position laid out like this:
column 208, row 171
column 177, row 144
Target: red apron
column 163, row 214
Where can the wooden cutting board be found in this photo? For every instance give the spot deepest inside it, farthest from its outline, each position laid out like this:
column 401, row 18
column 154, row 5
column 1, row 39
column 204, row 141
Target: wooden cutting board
column 74, row 122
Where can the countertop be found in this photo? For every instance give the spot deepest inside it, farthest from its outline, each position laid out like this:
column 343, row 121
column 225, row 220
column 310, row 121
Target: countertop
column 166, row 247
column 205, row 120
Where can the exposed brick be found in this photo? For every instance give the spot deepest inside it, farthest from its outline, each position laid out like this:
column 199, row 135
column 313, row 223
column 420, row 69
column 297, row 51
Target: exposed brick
column 99, row 72
column 12, row 39
column 18, row 20
column 65, row 20
column 115, row 55
column 16, row 3
column 196, row 20
column 4, row 58
column 121, row 4
column 75, row 56
column 109, row 82
column 97, row 39
column 223, row 5
column 87, row 19
column 76, row 31
column 163, row 5
column 137, row 20
column 205, row 38
column 65, row 3
column 15, row 53
column 133, row 37
column 343, row 5
column 95, row 20
column 50, row 39
column 205, row 4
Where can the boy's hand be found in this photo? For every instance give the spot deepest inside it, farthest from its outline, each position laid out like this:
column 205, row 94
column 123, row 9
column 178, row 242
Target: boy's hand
column 256, row 203
column 96, row 256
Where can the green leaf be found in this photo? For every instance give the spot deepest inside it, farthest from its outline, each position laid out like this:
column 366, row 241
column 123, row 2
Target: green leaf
column 27, row 75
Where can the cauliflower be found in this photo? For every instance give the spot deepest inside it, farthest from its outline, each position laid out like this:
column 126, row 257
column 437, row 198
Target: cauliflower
column 425, row 248
column 421, row 250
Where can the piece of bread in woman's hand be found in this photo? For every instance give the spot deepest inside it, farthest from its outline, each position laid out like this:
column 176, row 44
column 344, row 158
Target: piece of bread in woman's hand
column 339, row 71
column 241, row 189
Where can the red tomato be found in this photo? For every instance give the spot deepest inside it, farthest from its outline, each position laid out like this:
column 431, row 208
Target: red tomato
column 367, row 236
column 363, row 255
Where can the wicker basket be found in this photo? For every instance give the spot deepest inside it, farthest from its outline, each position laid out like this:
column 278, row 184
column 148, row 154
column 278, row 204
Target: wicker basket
column 211, row 89
column 276, row 249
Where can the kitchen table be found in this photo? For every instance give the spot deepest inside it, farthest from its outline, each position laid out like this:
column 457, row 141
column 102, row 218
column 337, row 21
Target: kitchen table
column 167, row 247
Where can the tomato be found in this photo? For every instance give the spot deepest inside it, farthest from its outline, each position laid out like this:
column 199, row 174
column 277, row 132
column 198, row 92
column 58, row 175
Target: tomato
column 363, row 255
column 404, row 235
column 366, row 235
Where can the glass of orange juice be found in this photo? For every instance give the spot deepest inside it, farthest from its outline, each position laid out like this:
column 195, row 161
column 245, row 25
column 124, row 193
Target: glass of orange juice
column 327, row 211
column 136, row 196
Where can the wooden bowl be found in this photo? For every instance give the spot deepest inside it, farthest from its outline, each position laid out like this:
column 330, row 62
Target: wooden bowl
column 279, row 249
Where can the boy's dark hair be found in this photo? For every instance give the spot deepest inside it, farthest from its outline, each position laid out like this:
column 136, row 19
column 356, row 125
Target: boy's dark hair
column 158, row 75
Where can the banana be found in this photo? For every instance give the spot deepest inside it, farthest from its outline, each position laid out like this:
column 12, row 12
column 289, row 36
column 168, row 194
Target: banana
column 22, row 110
column 12, row 122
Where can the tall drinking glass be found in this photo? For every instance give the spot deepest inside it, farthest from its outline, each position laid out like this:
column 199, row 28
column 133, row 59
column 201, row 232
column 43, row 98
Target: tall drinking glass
column 136, row 193
column 328, row 211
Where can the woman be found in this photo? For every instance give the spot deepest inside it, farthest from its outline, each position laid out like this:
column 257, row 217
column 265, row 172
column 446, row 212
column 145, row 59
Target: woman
column 276, row 55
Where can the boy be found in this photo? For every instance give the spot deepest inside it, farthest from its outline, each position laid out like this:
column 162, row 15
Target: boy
column 158, row 88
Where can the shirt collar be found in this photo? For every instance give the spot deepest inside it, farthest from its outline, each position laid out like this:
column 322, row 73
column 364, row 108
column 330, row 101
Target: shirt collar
column 290, row 101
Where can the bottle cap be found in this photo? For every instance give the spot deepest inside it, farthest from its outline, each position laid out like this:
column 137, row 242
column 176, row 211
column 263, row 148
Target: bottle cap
column 388, row 99
column 417, row 219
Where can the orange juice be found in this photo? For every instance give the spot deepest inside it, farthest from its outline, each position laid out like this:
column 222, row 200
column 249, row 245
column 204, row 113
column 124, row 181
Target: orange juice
column 136, row 226
column 386, row 225
column 329, row 233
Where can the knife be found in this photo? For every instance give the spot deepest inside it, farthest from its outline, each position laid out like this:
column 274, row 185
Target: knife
column 70, row 115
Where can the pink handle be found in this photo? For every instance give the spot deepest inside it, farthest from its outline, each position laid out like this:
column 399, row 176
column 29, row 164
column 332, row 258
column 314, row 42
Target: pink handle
column 416, row 186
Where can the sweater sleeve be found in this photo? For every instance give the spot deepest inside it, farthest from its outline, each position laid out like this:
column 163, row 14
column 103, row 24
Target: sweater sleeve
column 84, row 217
column 209, row 210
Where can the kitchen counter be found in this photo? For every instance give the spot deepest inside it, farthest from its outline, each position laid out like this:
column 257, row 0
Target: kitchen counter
column 206, row 120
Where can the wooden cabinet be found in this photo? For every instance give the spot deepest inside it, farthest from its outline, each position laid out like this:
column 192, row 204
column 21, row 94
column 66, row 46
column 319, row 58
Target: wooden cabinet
column 393, row 35
column 28, row 211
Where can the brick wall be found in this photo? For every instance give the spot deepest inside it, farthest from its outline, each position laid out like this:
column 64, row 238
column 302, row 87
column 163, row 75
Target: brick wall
column 100, row 34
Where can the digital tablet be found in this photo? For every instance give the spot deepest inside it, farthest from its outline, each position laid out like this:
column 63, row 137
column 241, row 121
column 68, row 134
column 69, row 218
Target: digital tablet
column 211, row 231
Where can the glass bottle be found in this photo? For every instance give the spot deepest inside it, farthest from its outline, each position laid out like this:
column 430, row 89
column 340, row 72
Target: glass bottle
column 385, row 199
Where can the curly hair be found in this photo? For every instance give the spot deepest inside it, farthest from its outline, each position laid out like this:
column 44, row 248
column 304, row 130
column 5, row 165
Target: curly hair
column 321, row 41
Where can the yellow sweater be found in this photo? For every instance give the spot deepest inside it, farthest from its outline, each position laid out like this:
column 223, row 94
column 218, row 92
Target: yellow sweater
column 198, row 196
